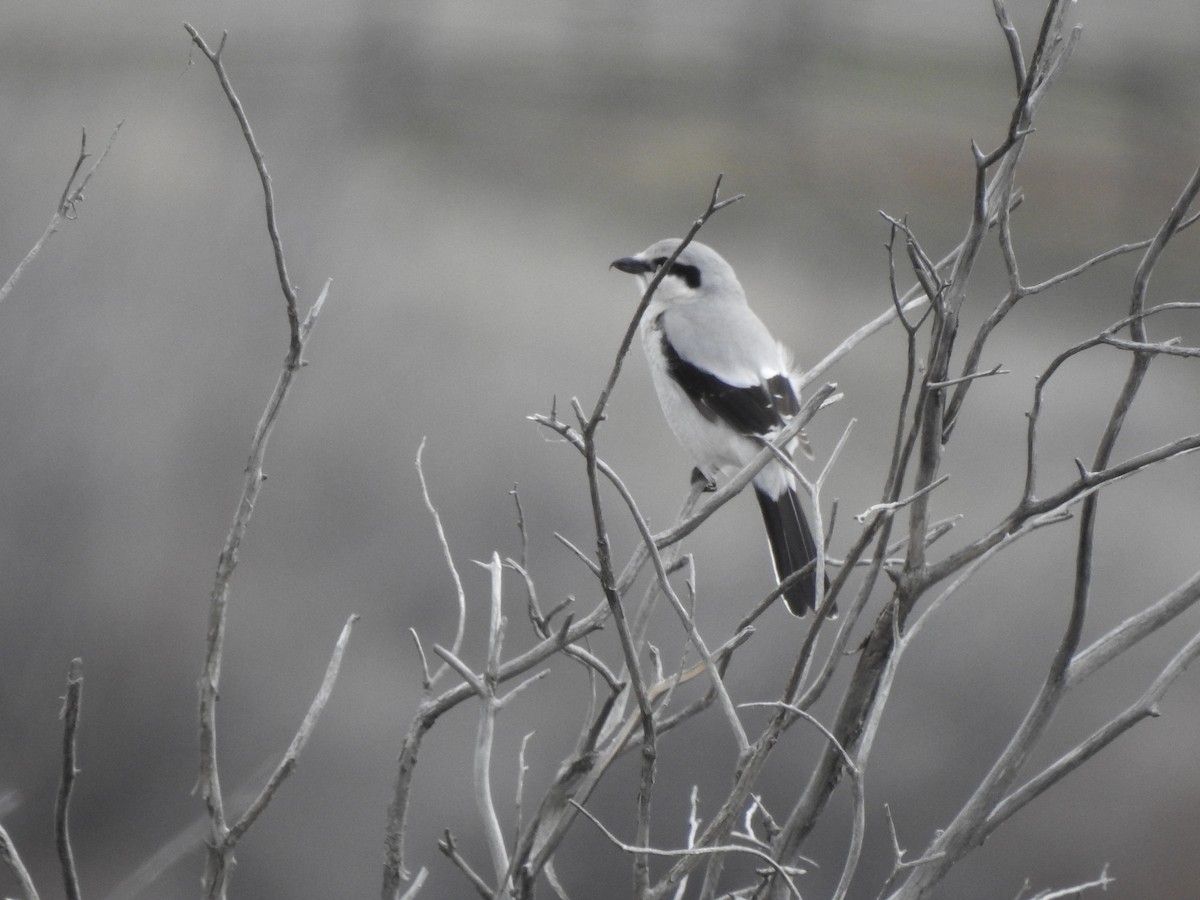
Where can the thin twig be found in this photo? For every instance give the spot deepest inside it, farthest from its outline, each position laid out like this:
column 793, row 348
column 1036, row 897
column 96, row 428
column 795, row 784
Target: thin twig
column 459, row 592
column 898, row 852
column 292, row 755
column 67, row 204
column 971, row 376
column 522, row 769
column 1014, row 42
column 12, row 859
column 285, row 283
column 431, row 709
column 903, row 502
column 521, row 527
column 693, row 851
column 859, row 828
column 583, row 557
column 449, row 848
column 62, row 836
column 693, row 827
column 1075, row 890
column 1120, row 250
column 685, row 618
column 426, row 678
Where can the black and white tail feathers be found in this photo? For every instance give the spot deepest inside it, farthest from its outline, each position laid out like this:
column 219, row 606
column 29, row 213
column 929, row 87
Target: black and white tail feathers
column 792, row 548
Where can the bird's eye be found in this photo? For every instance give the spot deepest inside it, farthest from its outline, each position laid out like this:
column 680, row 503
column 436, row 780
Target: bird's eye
column 689, row 275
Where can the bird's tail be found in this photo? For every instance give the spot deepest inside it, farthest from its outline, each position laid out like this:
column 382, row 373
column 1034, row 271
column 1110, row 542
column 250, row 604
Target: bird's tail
column 792, row 547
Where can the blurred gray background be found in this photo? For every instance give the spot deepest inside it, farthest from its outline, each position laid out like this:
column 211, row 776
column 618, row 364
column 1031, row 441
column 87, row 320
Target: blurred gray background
column 465, row 171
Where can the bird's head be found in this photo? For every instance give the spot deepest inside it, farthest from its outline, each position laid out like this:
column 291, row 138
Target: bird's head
column 699, row 273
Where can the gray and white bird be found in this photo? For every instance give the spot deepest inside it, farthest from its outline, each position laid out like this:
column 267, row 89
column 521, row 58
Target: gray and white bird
column 725, row 384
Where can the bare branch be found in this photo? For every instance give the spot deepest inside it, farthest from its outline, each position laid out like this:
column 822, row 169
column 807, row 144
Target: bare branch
column 459, row 593
column 1014, row 42
column 1146, row 706
column 685, row 618
column 415, row 887
column 521, row 527
column 693, row 851
column 431, row 708
column 219, row 846
column 62, row 837
column 292, row 756
column 1075, row 890
column 998, row 369
column 67, row 204
column 484, row 741
column 426, row 679
column 900, row 504
column 971, row 823
column 449, row 847
column 1120, row 250
column 464, row 671
column 1133, row 630
column 12, row 859
column 579, row 554
column 285, row 283
column 1169, row 347
column 860, row 802
column 522, row 769
column 898, row 852
column 693, row 827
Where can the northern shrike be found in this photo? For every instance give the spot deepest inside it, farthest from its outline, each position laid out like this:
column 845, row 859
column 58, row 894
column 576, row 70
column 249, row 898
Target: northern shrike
column 725, row 385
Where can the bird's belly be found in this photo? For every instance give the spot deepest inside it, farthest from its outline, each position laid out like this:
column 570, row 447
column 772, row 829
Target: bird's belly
column 711, row 443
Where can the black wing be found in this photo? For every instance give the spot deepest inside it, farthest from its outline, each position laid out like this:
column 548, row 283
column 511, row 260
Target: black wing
column 758, row 409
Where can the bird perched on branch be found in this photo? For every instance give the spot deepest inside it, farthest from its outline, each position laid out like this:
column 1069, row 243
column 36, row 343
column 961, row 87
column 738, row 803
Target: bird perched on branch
column 725, row 386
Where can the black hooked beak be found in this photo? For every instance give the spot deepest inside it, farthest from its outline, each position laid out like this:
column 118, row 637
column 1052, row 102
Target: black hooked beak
column 633, row 265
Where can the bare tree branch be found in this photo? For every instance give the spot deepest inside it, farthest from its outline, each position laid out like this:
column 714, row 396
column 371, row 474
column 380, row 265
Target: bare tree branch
column 460, row 628
column 1075, row 890
column 12, row 859
column 221, row 838
column 449, row 848
column 1133, row 630
column 292, row 756
column 68, row 203
column 260, row 163
column 694, row 851
column 1146, row 706
column 970, row 824
column 62, row 835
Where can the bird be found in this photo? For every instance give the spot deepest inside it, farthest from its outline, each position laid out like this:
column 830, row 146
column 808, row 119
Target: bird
column 725, row 385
